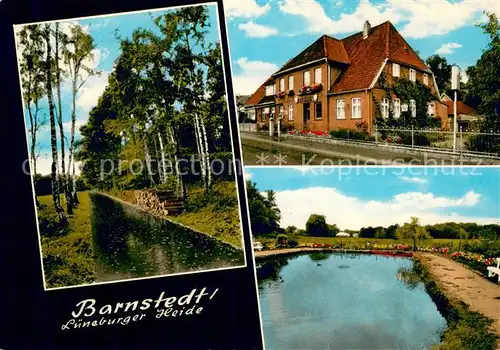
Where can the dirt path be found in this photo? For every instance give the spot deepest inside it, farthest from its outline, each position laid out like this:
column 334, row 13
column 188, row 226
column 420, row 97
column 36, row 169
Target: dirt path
column 458, row 282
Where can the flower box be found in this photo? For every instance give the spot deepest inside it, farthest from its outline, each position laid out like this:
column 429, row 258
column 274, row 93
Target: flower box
column 316, row 87
column 290, row 93
column 280, row 94
column 305, row 90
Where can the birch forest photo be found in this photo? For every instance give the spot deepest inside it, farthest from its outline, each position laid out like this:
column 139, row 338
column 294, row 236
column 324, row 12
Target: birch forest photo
column 129, row 146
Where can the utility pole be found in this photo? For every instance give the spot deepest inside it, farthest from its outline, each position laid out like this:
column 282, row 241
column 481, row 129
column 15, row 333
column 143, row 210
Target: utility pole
column 455, row 86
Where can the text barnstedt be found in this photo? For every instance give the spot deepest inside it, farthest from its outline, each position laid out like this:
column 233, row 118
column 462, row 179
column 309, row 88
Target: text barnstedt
column 88, row 313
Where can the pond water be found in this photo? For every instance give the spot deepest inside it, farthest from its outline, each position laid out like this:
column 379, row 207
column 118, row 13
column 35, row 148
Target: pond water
column 345, row 301
column 130, row 243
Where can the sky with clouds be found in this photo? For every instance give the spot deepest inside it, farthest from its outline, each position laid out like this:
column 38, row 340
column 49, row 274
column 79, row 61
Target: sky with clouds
column 359, row 197
column 264, row 34
column 104, row 31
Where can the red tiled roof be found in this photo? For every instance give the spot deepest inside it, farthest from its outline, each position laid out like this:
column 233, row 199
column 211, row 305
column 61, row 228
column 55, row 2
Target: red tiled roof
column 368, row 55
column 363, row 57
column 462, row 108
column 324, row 47
column 259, row 94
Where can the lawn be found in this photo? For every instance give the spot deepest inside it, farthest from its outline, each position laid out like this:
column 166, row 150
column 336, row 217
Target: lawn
column 361, row 243
column 67, row 251
column 216, row 214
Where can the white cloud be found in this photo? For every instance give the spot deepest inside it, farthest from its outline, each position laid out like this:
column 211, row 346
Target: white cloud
column 448, row 48
column 350, row 212
column 91, row 91
column 253, row 74
column 339, row 3
column 44, row 164
column 415, row 180
column 78, row 124
column 248, row 175
column 254, row 30
column 245, row 9
column 419, row 19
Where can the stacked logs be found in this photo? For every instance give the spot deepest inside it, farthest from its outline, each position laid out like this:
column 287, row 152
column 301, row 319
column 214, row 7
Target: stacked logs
column 159, row 202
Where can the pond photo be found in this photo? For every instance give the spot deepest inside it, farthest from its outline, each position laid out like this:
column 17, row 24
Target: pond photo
column 377, row 258
column 130, row 149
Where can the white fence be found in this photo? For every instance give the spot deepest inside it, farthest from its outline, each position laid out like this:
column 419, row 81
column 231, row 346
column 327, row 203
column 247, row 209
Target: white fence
column 464, row 142
column 248, row 126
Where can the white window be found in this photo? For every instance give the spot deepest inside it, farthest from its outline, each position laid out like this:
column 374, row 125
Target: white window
column 251, row 114
column 317, row 76
column 413, row 108
column 356, row 108
column 281, row 111
column 413, row 74
column 426, row 79
column 431, row 110
column 395, row 70
column 396, row 108
column 270, row 90
column 282, row 84
column 384, row 107
column 307, row 78
column 290, row 111
column 290, row 82
column 266, row 110
column 340, row 109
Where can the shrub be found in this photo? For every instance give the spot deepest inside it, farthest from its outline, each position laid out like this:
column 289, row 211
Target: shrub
column 49, row 225
column 349, row 134
column 282, row 240
column 292, row 243
column 419, row 140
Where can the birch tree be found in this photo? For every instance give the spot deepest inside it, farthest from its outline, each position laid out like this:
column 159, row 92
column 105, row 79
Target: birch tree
column 48, row 68
column 78, row 55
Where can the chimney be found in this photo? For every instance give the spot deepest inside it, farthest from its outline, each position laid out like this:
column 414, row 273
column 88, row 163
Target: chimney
column 366, row 29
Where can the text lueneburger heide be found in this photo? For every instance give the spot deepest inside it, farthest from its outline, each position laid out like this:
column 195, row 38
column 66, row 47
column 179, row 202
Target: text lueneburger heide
column 88, row 313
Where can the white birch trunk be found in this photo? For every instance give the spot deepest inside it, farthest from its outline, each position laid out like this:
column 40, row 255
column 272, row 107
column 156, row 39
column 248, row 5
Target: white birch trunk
column 178, row 177
column 206, row 157
column 201, row 147
column 148, row 160
column 163, row 165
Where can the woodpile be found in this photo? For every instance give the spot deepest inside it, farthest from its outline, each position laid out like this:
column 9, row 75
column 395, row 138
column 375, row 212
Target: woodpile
column 159, row 202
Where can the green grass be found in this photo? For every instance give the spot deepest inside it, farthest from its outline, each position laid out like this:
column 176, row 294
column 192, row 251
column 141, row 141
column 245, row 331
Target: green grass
column 67, row 251
column 360, row 243
column 216, row 214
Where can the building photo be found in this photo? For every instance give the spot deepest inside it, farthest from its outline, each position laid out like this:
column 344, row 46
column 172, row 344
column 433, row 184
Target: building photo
column 131, row 157
column 376, row 83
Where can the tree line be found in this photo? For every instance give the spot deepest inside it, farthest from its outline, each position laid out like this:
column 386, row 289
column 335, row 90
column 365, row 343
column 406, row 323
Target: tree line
column 265, row 219
column 51, row 57
column 165, row 101
column 481, row 89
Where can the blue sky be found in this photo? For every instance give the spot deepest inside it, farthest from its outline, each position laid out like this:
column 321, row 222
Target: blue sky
column 356, row 197
column 264, row 34
column 102, row 29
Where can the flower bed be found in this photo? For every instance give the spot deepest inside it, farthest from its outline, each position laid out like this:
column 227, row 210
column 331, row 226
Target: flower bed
column 308, row 133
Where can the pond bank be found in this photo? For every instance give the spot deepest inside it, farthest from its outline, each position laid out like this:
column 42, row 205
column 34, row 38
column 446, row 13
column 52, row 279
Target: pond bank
column 459, row 282
column 466, row 299
column 175, row 222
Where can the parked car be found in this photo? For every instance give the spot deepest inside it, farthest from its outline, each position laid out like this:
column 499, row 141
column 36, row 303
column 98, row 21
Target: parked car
column 257, row 246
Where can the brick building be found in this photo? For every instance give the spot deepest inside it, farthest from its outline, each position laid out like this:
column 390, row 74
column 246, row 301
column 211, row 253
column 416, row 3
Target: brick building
column 337, row 84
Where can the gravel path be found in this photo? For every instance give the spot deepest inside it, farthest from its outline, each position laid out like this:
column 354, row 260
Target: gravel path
column 458, row 282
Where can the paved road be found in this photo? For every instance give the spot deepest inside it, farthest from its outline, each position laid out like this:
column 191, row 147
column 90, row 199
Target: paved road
column 259, row 149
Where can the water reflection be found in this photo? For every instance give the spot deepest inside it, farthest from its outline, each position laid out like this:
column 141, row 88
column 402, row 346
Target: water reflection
column 130, row 243
column 351, row 301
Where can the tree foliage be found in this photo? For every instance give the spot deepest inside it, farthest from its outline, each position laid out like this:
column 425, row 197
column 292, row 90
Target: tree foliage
column 484, row 77
column 264, row 213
